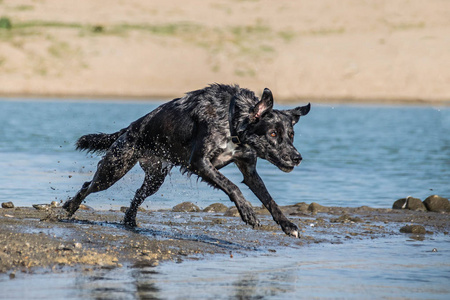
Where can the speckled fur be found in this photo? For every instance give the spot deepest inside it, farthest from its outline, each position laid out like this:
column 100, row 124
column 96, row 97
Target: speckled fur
column 193, row 132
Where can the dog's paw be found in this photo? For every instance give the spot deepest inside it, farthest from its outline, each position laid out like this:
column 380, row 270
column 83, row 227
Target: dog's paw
column 131, row 223
column 249, row 216
column 71, row 207
column 291, row 229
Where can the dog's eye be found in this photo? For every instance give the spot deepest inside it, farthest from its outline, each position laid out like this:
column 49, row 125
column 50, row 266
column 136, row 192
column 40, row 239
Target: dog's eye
column 273, row 134
column 291, row 135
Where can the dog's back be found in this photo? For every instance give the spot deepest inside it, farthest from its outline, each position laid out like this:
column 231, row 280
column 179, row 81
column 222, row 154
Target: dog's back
column 170, row 131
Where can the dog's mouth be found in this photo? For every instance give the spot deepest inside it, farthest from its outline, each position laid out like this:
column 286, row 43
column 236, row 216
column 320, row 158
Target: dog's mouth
column 286, row 169
column 280, row 165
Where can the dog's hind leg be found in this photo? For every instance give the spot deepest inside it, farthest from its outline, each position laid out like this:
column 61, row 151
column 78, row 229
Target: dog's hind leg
column 119, row 159
column 156, row 171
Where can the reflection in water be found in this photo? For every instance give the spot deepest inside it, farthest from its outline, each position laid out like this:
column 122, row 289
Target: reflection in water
column 394, row 267
column 263, row 284
column 122, row 283
column 246, row 287
column 145, row 283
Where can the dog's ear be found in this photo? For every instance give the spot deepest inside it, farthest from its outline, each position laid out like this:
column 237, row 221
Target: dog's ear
column 263, row 106
column 296, row 113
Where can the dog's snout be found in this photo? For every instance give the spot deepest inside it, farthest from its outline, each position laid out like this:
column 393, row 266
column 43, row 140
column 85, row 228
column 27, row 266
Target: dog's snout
column 296, row 159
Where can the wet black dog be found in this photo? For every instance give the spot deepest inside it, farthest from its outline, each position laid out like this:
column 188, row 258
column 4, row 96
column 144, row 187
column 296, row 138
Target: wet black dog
column 201, row 132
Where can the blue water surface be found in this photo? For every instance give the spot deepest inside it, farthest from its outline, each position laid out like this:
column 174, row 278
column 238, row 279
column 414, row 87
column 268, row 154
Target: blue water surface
column 353, row 156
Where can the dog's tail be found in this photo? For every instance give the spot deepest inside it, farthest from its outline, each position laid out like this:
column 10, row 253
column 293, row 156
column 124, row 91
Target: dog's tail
column 98, row 142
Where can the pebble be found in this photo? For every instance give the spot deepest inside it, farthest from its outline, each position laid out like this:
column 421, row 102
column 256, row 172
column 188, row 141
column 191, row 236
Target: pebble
column 85, row 207
column 346, row 219
column 125, row 208
column 7, row 205
column 42, row 206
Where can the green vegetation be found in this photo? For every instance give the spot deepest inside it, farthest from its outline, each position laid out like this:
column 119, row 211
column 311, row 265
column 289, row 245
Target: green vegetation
column 37, row 23
column 287, row 35
column 59, row 49
column 406, row 26
column 171, row 29
column 326, row 31
column 24, row 7
column 242, row 45
column 5, row 23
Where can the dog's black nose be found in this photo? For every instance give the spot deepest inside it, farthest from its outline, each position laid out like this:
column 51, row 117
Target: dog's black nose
column 296, row 159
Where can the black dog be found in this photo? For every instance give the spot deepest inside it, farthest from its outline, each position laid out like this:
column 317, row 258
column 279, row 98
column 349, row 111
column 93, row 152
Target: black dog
column 201, row 132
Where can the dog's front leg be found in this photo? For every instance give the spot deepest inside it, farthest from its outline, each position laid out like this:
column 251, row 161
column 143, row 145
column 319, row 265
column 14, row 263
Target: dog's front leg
column 255, row 183
column 205, row 169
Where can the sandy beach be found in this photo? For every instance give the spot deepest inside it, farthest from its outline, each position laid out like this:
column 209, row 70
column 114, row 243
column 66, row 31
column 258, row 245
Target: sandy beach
column 383, row 51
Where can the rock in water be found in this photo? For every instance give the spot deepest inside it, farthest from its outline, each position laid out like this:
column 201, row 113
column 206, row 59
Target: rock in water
column 186, row 207
column 437, row 204
column 315, row 208
column 415, row 204
column 7, row 205
column 232, row 212
column 410, row 203
column 399, row 204
column 216, row 207
column 419, row 229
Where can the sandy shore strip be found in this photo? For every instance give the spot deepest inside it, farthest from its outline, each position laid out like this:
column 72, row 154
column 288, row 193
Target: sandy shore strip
column 388, row 51
column 43, row 238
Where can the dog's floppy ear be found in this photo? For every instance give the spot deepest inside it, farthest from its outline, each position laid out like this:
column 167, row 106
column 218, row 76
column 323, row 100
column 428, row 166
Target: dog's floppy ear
column 263, row 106
column 299, row 111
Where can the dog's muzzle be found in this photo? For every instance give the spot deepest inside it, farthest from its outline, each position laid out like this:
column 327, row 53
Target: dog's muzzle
column 294, row 159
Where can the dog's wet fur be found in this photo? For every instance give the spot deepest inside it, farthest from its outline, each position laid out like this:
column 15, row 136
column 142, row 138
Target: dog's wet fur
column 201, row 132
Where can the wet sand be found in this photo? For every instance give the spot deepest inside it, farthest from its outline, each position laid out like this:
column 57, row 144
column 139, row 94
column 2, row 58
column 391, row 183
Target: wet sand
column 34, row 240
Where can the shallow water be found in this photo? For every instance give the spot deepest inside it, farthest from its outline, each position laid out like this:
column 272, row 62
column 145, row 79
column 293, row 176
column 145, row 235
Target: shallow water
column 386, row 268
column 353, row 156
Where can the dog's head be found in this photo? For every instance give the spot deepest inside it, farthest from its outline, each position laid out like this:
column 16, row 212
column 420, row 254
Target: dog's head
column 270, row 132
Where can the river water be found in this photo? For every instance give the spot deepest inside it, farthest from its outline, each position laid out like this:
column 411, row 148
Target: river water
column 353, row 156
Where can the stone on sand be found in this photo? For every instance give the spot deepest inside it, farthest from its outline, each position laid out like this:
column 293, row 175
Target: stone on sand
column 415, row 204
column 410, row 203
column 216, row 207
column 186, row 207
column 437, row 203
column 7, row 205
column 315, row 208
column 419, row 229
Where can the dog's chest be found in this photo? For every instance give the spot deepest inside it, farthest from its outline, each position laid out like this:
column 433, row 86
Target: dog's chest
column 229, row 150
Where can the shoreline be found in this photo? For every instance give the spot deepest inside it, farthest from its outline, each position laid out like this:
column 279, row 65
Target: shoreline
column 165, row 98
column 32, row 240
